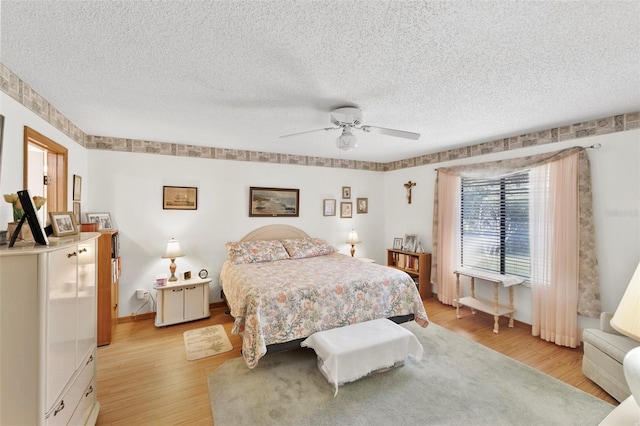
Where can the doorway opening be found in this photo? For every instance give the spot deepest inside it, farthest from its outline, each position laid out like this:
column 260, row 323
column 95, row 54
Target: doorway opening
column 45, row 171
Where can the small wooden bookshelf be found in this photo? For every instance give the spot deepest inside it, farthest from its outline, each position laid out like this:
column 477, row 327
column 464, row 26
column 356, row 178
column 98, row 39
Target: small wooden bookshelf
column 418, row 265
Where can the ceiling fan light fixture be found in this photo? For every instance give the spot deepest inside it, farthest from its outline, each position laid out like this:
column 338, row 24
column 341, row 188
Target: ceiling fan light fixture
column 346, row 140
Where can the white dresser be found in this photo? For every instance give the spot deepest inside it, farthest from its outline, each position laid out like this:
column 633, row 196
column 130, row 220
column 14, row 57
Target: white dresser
column 48, row 332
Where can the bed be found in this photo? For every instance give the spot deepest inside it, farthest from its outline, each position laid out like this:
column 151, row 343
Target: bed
column 281, row 286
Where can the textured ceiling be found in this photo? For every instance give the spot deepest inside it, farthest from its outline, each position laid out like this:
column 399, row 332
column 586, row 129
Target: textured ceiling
column 234, row 74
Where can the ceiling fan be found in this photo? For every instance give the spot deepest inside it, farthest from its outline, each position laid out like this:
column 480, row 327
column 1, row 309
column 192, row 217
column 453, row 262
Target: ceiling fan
column 349, row 118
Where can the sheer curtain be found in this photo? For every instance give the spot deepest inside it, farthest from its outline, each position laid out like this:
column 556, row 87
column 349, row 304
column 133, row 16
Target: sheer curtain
column 565, row 278
column 447, row 224
column 554, row 230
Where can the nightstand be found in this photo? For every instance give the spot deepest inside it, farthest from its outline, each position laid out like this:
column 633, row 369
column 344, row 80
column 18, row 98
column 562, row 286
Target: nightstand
column 182, row 301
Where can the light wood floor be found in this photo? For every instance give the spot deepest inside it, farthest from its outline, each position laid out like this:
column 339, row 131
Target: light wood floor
column 144, row 377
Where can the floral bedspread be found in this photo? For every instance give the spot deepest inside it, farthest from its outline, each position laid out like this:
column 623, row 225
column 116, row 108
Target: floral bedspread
column 283, row 300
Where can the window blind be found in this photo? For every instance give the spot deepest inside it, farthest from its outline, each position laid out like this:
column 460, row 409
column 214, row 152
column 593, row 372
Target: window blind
column 494, row 224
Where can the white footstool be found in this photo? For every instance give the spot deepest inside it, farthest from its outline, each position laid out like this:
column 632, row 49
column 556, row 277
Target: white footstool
column 348, row 353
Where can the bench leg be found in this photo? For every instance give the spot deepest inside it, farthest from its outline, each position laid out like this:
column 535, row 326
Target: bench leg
column 457, row 296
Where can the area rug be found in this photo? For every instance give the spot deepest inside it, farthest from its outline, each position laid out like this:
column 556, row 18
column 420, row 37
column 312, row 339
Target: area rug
column 458, row 382
column 206, row 341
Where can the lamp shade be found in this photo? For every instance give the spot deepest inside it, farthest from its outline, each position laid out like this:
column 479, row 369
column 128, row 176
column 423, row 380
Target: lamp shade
column 173, row 249
column 627, row 317
column 346, row 140
column 627, row 321
column 353, row 237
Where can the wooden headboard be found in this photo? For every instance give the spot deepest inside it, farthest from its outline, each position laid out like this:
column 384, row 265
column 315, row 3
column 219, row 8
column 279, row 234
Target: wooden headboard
column 275, row 232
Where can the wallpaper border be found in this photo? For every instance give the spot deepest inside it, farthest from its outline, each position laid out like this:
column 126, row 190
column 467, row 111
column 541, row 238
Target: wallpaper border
column 17, row 89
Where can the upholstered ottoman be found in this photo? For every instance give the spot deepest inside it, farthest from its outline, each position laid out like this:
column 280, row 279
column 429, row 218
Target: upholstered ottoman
column 349, row 353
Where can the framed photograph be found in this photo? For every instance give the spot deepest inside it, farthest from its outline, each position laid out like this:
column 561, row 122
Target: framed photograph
column 77, row 187
column 179, row 198
column 273, row 202
column 1, row 133
column 102, row 219
column 397, row 243
column 362, row 205
column 409, row 243
column 346, row 192
column 346, row 209
column 62, row 223
column 329, row 207
column 77, row 214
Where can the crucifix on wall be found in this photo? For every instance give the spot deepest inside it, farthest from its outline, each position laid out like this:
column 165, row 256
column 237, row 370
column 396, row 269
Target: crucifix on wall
column 409, row 185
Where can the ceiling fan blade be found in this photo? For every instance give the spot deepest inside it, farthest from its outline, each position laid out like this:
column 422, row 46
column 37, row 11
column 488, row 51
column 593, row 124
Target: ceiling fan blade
column 310, row 131
column 391, row 132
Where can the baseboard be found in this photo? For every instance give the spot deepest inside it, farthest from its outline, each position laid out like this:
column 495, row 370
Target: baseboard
column 152, row 315
column 137, row 317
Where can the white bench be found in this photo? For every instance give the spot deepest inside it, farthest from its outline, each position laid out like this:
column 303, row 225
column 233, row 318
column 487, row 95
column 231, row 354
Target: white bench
column 348, row 353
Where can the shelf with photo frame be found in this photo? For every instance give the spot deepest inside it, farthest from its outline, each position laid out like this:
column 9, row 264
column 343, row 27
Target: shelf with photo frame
column 418, row 265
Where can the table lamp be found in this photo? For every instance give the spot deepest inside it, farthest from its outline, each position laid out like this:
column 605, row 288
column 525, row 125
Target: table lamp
column 173, row 251
column 627, row 321
column 353, row 240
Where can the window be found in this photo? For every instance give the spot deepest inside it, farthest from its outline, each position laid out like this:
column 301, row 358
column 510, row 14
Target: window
column 494, row 224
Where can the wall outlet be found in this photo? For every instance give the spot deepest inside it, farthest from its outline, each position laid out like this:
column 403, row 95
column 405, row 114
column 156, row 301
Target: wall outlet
column 140, row 294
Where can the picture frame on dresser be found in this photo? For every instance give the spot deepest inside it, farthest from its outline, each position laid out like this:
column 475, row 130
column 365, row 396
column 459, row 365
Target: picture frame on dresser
column 409, row 242
column 397, row 243
column 102, row 219
column 63, row 223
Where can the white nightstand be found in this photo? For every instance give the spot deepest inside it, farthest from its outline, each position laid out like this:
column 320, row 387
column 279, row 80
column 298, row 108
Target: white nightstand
column 627, row 413
column 182, row 301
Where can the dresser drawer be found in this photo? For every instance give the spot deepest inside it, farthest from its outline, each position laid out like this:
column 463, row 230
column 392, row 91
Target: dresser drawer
column 66, row 406
column 85, row 406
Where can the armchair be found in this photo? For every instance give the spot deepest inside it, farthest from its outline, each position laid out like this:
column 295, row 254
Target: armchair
column 604, row 350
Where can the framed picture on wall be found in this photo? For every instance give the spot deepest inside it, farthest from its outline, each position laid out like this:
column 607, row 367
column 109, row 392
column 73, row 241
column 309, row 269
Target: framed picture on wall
column 1, row 133
column 329, row 207
column 273, row 202
column 77, row 187
column 77, row 214
column 346, row 192
column 346, row 209
column 362, row 205
column 179, row 198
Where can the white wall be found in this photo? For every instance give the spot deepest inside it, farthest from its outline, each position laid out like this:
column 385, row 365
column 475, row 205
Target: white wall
column 129, row 186
column 16, row 116
column 615, row 175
